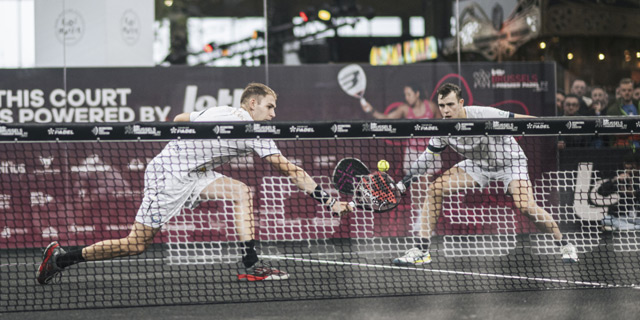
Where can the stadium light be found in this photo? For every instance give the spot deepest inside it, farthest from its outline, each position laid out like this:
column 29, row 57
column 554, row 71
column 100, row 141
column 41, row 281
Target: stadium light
column 324, row 15
column 570, row 56
column 304, row 16
column 543, row 44
column 601, row 56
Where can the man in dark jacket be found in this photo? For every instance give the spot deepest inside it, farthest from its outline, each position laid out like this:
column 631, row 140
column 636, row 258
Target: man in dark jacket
column 625, row 213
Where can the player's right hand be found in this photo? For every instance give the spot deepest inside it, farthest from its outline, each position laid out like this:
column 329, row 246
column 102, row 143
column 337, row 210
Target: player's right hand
column 401, row 187
column 341, row 208
column 366, row 106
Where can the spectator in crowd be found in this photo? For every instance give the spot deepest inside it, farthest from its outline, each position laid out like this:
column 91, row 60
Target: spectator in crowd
column 624, row 213
column 636, row 94
column 571, row 106
column 624, row 106
column 599, row 94
column 579, row 88
column 559, row 100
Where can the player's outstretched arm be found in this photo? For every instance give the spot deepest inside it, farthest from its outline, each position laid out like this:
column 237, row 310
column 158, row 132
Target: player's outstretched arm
column 305, row 183
column 183, row 117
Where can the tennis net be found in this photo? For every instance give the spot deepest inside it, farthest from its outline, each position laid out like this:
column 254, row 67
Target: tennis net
column 79, row 184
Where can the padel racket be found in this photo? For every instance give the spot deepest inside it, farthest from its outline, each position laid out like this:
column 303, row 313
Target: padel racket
column 372, row 191
column 377, row 192
column 353, row 81
column 347, row 173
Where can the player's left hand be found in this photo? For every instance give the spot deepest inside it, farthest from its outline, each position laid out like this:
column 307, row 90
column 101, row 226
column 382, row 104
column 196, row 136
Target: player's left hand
column 341, row 208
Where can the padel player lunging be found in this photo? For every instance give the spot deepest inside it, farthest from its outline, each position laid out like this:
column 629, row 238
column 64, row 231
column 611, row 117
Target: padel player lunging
column 183, row 171
column 487, row 158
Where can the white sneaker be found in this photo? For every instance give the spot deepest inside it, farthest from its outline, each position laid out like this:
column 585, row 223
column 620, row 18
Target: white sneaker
column 569, row 253
column 413, row 256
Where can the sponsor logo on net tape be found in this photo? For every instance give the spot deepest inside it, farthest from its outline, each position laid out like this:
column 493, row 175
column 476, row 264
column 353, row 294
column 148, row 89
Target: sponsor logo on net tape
column 301, row 129
column 101, row 131
column 60, row 132
column 375, row 127
column 222, row 129
column 606, row 123
column 497, row 125
column 571, row 125
column 140, row 130
column 13, row 132
column 261, row 128
column 464, row 126
column 182, row 130
column 340, row 128
column 425, row 127
column 538, row 126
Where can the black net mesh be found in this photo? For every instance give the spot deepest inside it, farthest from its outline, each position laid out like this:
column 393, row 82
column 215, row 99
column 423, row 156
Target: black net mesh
column 488, row 235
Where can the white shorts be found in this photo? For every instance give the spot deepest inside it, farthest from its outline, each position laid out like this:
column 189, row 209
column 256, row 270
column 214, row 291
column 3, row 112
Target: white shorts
column 516, row 171
column 165, row 194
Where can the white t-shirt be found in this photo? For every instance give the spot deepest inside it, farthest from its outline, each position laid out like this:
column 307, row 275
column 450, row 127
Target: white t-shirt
column 487, row 152
column 185, row 156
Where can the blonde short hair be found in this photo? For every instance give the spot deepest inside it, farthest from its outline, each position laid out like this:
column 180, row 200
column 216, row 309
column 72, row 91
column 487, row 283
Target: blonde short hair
column 258, row 90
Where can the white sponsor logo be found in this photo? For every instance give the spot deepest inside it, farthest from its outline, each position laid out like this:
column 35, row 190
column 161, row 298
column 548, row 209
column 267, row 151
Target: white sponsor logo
column 69, row 27
column 497, row 72
column 340, row 128
column 606, row 123
column 182, row 130
column 261, row 128
column 226, row 97
column 497, row 125
column 130, row 27
column 5, row 201
column 137, row 129
column 60, row 132
column 46, row 161
column 40, row 198
column 463, row 126
column 12, row 167
column 101, row 131
column 301, row 129
column 425, row 127
column 575, row 124
column 12, row 132
column 374, row 127
column 538, row 125
column 222, row 129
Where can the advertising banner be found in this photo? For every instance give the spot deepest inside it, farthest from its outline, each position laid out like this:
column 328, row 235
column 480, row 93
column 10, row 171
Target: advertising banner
column 312, row 92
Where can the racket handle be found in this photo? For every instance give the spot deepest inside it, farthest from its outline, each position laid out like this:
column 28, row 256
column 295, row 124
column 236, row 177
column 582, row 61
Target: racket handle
column 363, row 102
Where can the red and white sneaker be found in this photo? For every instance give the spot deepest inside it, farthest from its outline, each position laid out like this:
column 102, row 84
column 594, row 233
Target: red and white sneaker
column 48, row 268
column 262, row 272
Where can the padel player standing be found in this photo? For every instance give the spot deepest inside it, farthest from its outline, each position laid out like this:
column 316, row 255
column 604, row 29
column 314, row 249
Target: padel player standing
column 487, row 158
column 183, row 171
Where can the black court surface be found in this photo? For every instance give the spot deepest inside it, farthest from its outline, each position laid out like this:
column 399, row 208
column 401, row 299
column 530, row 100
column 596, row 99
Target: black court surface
column 583, row 304
column 349, row 272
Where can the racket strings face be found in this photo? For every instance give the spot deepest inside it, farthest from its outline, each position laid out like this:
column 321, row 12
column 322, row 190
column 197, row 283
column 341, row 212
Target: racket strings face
column 381, row 190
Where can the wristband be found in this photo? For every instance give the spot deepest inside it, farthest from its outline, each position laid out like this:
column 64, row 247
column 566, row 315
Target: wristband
column 321, row 196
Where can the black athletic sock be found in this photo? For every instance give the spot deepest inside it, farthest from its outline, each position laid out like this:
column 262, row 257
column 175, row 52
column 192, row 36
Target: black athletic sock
column 561, row 243
column 70, row 258
column 250, row 256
